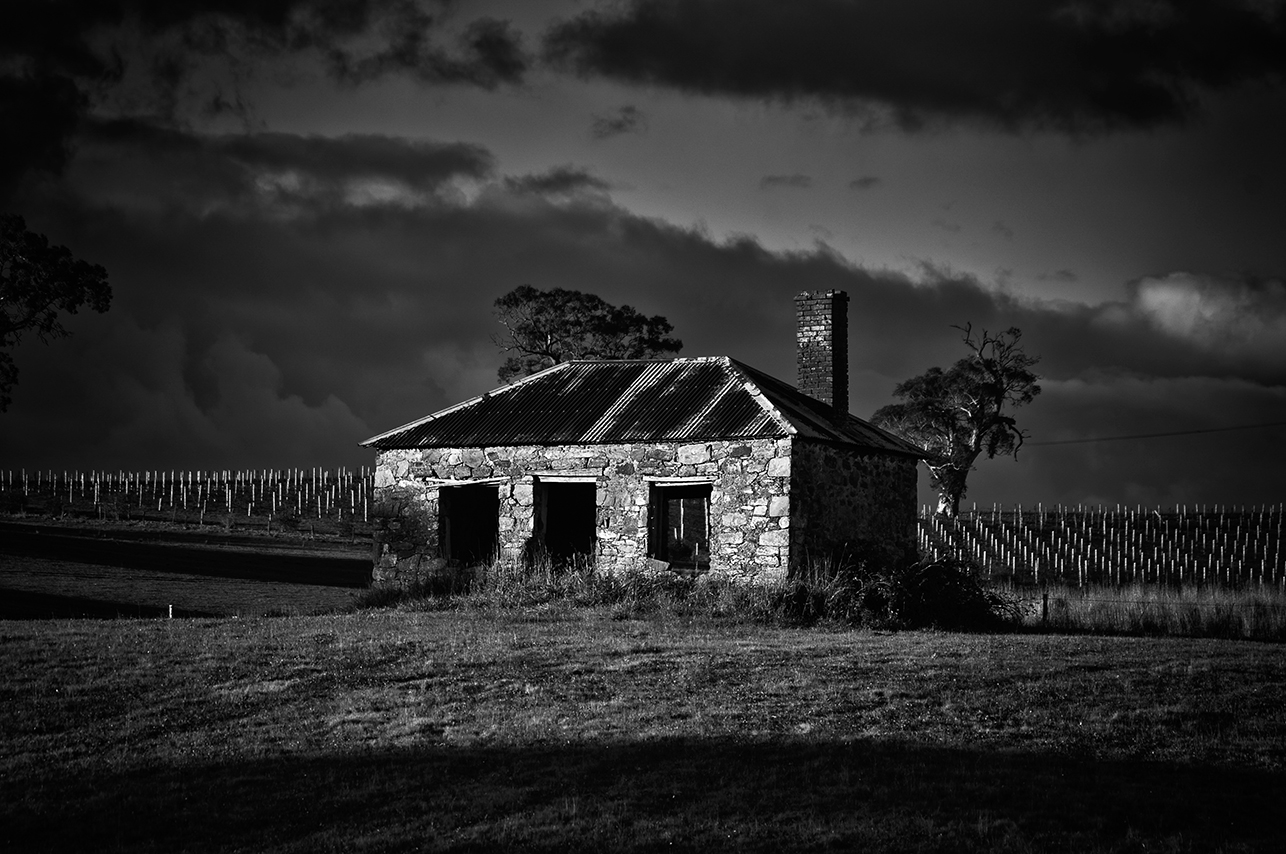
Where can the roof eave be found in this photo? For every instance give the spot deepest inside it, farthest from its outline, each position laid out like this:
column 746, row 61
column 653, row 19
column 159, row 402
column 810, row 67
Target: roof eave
column 374, row 440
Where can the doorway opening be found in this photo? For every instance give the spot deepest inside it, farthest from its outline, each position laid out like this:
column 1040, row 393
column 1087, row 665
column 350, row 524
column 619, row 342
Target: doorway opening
column 679, row 526
column 566, row 521
column 468, row 523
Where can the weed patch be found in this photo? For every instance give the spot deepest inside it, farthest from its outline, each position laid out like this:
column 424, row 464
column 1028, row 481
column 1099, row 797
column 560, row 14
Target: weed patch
column 855, row 592
column 1250, row 613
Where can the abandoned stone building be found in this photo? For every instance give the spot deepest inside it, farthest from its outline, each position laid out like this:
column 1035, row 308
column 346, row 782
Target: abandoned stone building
column 689, row 464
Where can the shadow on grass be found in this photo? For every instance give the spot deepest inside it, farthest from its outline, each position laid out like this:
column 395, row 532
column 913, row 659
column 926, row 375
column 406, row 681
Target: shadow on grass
column 265, row 565
column 28, row 605
column 704, row 795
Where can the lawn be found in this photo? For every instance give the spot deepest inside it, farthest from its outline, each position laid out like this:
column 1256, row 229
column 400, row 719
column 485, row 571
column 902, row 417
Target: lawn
column 561, row 729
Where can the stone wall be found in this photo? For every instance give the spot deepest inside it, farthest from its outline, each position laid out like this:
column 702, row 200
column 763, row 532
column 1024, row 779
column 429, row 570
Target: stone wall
column 844, row 499
column 750, row 513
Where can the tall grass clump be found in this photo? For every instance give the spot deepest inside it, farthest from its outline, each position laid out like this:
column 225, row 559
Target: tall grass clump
column 1208, row 612
column 886, row 591
column 870, row 589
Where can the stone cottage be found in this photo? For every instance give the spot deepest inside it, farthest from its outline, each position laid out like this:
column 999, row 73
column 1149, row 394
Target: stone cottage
column 689, row 464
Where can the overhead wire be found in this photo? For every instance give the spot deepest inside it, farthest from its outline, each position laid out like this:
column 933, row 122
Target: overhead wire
column 1157, row 435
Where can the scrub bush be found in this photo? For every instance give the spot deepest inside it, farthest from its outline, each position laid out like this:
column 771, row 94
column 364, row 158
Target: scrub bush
column 898, row 593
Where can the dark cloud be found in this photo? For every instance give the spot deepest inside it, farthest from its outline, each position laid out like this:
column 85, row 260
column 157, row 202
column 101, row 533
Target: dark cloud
column 946, row 225
column 132, row 57
column 422, row 165
column 866, row 182
column 1003, row 230
column 1066, row 276
column 246, row 331
column 795, row 181
column 489, row 53
column 1015, row 64
column 627, row 119
column 1165, row 470
column 143, row 166
column 559, row 181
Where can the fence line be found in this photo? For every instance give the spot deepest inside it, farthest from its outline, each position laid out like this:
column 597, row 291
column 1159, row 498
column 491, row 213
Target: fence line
column 336, row 494
column 1215, row 545
column 1210, row 545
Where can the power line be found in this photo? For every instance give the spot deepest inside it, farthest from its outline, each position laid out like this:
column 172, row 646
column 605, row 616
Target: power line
column 1158, row 435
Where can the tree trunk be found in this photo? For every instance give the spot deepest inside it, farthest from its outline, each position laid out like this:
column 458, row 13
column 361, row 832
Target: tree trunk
column 951, row 481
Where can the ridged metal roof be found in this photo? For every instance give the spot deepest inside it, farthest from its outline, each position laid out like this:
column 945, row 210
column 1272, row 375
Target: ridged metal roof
column 673, row 400
column 813, row 419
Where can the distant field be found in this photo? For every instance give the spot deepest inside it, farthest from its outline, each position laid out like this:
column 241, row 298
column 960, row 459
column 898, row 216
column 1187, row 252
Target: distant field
column 109, row 570
column 35, row 588
column 555, row 729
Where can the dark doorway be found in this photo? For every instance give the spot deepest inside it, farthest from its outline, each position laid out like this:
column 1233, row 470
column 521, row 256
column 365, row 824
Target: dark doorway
column 468, row 523
column 679, row 526
column 565, row 519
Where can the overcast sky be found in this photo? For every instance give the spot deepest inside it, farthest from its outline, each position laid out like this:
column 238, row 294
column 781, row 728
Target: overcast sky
column 307, row 208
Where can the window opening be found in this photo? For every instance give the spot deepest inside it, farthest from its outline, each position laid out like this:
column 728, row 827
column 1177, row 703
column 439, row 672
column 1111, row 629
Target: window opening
column 469, row 523
column 566, row 521
column 679, row 526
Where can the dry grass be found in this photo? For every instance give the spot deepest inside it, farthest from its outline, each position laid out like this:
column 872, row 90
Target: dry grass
column 1250, row 613
column 557, row 728
column 872, row 594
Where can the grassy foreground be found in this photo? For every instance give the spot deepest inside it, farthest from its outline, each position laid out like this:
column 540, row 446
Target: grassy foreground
column 562, row 729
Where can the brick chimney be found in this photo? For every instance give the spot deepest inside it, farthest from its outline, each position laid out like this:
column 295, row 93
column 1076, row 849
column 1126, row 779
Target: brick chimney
column 822, row 343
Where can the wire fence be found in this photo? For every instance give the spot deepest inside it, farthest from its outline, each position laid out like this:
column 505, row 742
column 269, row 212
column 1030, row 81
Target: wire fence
column 1078, row 546
column 1205, row 545
column 332, row 495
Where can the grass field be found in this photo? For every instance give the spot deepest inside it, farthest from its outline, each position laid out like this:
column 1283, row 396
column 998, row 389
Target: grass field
column 37, row 587
column 126, row 569
column 556, row 729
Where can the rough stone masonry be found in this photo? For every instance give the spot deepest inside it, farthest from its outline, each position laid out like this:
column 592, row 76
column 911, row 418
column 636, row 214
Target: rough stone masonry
column 749, row 505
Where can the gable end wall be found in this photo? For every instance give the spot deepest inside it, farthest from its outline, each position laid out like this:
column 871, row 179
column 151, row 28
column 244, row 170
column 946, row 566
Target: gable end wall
column 843, row 499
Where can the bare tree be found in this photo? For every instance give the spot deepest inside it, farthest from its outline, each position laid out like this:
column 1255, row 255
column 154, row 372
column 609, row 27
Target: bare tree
column 961, row 413
column 544, row 328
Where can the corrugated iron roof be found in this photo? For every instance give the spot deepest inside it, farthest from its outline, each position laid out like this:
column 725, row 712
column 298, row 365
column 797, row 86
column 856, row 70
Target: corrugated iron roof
column 816, row 420
column 600, row 402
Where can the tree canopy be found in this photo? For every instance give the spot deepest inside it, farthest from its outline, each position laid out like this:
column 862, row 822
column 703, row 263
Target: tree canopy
column 959, row 414
column 544, row 328
column 38, row 283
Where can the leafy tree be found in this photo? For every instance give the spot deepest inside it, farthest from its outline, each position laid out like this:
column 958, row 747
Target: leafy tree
column 39, row 282
column 959, row 414
column 544, row 328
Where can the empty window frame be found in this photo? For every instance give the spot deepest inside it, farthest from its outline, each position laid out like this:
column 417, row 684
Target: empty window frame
column 468, row 523
column 679, row 525
column 566, row 520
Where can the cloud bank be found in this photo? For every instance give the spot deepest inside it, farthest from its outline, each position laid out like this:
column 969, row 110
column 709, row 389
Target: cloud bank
column 67, row 61
column 1079, row 67
column 280, row 298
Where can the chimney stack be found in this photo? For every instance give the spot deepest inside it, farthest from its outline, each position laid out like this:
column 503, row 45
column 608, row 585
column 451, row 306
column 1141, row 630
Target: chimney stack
column 823, row 347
